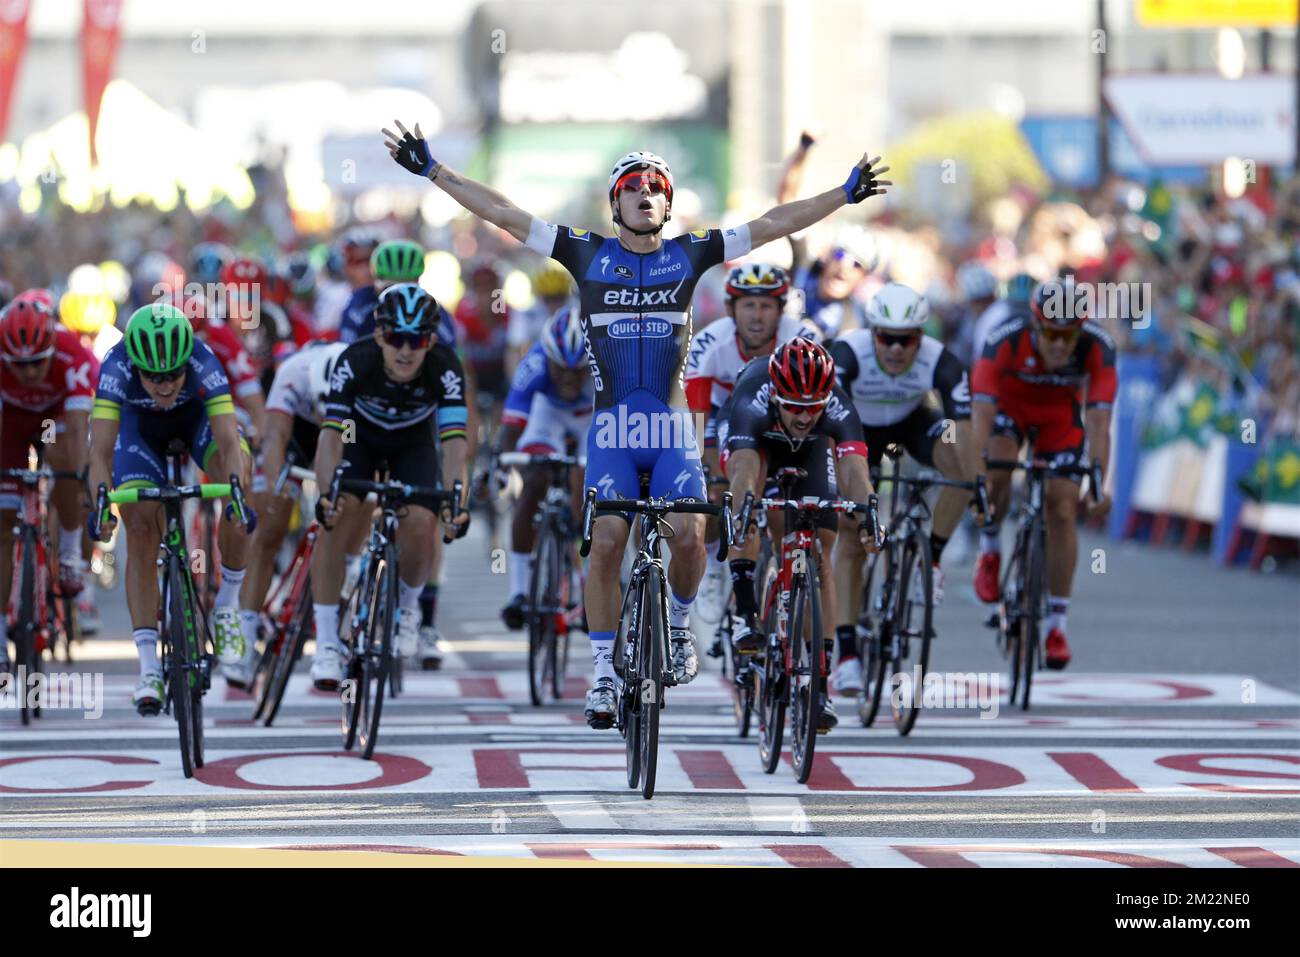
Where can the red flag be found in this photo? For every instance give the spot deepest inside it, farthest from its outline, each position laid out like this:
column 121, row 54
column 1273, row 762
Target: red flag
column 13, row 41
column 101, row 32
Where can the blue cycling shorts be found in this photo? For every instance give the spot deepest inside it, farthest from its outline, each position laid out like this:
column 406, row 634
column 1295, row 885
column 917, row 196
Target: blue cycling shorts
column 140, row 453
column 639, row 435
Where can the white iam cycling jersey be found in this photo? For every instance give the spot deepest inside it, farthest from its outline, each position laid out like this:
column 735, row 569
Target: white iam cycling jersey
column 291, row 390
column 882, row 399
column 713, row 362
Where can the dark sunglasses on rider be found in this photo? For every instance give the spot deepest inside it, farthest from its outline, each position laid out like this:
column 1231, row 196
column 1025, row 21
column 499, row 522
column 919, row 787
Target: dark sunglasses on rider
column 29, row 363
column 1057, row 335
column 797, row 407
column 632, row 182
column 162, row 378
column 415, row 340
column 904, row 339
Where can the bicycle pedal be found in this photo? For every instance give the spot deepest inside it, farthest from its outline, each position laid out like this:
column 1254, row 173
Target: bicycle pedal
column 715, row 650
column 148, row 710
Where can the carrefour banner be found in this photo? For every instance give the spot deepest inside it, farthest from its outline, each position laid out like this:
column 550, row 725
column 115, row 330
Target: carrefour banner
column 101, row 32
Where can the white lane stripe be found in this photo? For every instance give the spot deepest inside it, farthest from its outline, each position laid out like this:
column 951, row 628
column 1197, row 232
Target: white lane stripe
column 580, row 812
column 777, row 814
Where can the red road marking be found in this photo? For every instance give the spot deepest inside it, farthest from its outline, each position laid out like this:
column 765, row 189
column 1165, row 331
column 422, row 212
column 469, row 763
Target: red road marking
column 395, row 769
column 580, row 852
column 488, row 717
column 106, row 786
column 479, row 688
column 951, row 856
column 1093, row 773
column 985, row 775
column 1181, row 692
column 709, row 770
column 1192, row 764
column 1252, row 857
column 806, row 855
column 504, row 767
column 236, row 694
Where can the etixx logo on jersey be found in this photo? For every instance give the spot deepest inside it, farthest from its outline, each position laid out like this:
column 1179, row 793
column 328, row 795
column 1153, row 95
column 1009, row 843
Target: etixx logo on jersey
column 640, row 328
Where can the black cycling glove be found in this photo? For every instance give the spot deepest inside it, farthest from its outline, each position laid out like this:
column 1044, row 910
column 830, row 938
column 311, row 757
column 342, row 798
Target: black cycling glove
column 861, row 184
column 413, row 155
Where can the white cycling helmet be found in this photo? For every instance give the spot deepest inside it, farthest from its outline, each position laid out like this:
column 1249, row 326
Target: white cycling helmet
column 976, row 281
column 639, row 160
column 897, row 307
column 323, row 358
column 860, row 244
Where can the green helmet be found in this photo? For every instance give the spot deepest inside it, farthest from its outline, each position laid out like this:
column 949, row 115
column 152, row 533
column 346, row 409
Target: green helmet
column 398, row 260
column 159, row 338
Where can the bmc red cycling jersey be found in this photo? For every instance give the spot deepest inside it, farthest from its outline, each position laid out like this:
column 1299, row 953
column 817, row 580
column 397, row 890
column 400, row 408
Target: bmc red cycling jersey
column 1011, row 375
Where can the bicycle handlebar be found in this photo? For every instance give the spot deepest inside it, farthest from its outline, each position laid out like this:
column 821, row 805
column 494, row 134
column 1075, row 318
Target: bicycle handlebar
column 1092, row 471
column 32, row 476
column 130, row 496
column 870, row 508
column 395, row 489
column 657, row 507
column 523, row 459
column 291, row 471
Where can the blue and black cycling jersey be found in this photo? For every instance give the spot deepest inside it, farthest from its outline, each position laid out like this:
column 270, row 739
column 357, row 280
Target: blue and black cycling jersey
column 533, row 377
column 359, row 318
column 636, row 306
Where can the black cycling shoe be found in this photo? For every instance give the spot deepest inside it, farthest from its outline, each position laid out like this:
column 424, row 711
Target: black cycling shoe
column 515, row 613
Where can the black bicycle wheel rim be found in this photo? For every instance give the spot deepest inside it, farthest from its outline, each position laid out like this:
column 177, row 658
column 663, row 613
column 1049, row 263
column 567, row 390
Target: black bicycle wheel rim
column 769, row 699
column 875, row 664
column 383, row 622
column 560, row 582
column 806, row 680
column 198, row 657
column 1033, row 606
column 179, row 661
column 71, row 625
column 287, row 654
column 913, row 624
column 541, row 622
column 626, row 646
column 654, row 639
column 350, row 697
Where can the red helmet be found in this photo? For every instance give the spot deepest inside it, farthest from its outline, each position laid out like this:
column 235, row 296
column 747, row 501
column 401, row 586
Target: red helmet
column 1060, row 304
column 276, row 289
column 38, row 295
column 27, row 330
column 243, row 271
column 803, row 373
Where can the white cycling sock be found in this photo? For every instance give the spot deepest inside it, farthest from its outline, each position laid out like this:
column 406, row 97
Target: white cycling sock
column 70, row 545
column 146, row 646
column 1057, row 609
column 408, row 596
column 228, row 593
column 991, row 540
column 521, row 566
column 327, row 625
column 679, row 610
column 602, row 655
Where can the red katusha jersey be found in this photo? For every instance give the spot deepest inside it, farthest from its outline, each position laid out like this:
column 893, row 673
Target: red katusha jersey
column 1011, row 375
column 69, row 385
column 234, row 358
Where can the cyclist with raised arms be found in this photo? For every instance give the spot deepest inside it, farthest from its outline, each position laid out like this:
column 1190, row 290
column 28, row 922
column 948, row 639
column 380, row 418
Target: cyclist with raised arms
column 754, row 325
column 787, row 412
column 549, row 405
column 893, row 372
column 387, row 396
column 635, row 293
column 156, row 385
column 1055, row 372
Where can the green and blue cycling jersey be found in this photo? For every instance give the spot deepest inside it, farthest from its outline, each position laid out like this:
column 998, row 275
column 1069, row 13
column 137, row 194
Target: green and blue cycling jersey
column 635, row 311
column 145, row 428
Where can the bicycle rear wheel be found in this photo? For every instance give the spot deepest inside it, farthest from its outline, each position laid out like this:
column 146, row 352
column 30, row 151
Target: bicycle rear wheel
column 654, row 640
column 872, row 653
column 912, row 626
column 807, row 679
column 543, row 594
column 378, row 655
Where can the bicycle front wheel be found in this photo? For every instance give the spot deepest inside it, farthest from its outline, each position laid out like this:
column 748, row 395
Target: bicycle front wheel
column 873, row 653
column 176, row 655
column 1033, row 608
column 23, row 626
column 627, row 645
column 769, row 696
column 807, row 677
column 376, row 657
column 543, row 592
column 654, row 641
column 288, row 651
column 912, row 628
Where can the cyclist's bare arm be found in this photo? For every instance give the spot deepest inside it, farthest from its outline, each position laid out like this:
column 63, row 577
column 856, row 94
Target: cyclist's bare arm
column 275, row 440
column 982, row 413
column 1096, row 425
column 76, row 424
column 329, row 452
column 744, row 466
column 255, row 405
column 103, row 435
column 791, row 217
column 853, row 477
column 453, row 470
column 225, row 432
column 478, row 198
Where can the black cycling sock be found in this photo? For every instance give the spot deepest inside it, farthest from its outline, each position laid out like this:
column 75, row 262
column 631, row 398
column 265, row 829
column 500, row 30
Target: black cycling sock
column 936, row 547
column 742, row 585
column 428, row 605
column 847, row 636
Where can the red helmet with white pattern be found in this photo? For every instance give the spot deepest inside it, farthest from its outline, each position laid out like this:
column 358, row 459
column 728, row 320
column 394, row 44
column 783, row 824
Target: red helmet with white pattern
column 27, row 330
column 802, row 373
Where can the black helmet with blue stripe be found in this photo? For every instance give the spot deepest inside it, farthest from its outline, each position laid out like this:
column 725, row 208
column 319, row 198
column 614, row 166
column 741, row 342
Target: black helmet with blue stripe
column 406, row 307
